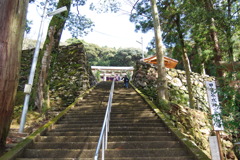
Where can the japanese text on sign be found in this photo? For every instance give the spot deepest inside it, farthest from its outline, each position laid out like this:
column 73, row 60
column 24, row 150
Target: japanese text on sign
column 214, row 105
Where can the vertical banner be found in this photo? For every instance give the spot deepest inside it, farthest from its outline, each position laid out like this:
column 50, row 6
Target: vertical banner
column 214, row 105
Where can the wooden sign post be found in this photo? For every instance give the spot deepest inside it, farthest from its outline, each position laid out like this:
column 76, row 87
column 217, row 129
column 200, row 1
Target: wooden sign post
column 216, row 120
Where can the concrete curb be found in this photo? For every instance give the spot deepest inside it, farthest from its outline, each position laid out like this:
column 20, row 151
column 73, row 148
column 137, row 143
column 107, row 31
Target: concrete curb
column 192, row 148
column 18, row 149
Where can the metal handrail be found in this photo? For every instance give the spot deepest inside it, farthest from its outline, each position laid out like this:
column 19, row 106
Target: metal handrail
column 105, row 127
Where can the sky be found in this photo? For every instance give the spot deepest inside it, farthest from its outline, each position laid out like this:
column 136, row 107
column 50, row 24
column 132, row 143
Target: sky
column 111, row 29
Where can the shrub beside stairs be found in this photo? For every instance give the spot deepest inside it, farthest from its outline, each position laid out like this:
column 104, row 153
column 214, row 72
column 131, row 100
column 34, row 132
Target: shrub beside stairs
column 136, row 131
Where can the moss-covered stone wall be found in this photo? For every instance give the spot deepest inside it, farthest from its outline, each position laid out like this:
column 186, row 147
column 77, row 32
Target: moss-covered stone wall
column 145, row 76
column 70, row 74
column 195, row 124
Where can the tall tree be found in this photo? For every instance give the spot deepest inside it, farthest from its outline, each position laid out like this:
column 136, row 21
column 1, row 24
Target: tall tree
column 77, row 24
column 12, row 20
column 162, row 83
column 185, row 60
column 208, row 5
column 52, row 42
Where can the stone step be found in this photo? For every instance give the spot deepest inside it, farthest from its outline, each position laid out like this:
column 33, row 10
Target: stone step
column 126, row 121
column 135, row 158
column 99, row 116
column 139, row 106
column 67, row 139
column 111, row 133
column 111, row 145
column 59, row 153
column 91, row 104
column 119, row 106
column 92, row 129
column 87, row 110
column 117, row 110
column 122, row 103
column 113, row 128
column 89, row 119
column 152, row 158
column 94, row 100
column 88, row 153
column 130, row 109
column 73, row 133
column 136, row 133
column 150, row 153
column 112, row 115
column 127, row 101
column 165, row 137
column 85, row 116
column 83, row 124
column 77, row 124
column 113, row 112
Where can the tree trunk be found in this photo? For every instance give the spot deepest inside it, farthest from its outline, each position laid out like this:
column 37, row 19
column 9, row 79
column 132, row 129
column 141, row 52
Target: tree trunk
column 46, row 60
column 185, row 62
column 199, row 52
column 162, row 83
column 229, row 32
column 213, row 33
column 12, row 20
column 57, row 23
column 229, row 36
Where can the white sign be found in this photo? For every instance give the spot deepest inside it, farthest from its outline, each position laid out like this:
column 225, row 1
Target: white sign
column 214, row 148
column 214, row 106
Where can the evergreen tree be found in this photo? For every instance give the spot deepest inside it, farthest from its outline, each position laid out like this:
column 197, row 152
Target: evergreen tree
column 12, row 20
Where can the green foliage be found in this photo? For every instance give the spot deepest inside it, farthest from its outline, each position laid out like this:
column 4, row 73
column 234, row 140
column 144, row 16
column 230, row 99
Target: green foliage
column 126, row 57
column 230, row 112
column 230, row 98
column 104, row 56
column 164, row 105
column 99, row 56
column 178, row 97
column 28, row 26
column 77, row 24
column 151, row 92
column 194, row 24
column 19, row 98
column 73, row 41
column 97, row 75
column 104, row 6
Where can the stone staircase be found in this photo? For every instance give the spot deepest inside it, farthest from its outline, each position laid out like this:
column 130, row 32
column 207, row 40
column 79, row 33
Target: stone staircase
column 135, row 131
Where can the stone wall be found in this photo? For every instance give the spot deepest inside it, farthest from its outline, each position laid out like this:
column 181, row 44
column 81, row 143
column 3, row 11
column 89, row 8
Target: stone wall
column 145, row 76
column 195, row 124
column 70, row 74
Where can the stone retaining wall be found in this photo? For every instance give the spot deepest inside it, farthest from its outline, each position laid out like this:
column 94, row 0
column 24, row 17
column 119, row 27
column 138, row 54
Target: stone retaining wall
column 70, row 74
column 195, row 124
column 145, row 76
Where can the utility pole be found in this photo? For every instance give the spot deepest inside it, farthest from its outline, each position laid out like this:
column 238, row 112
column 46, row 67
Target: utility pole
column 142, row 46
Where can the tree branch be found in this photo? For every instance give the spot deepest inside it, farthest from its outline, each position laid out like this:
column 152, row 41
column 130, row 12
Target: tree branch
column 234, row 66
column 134, row 6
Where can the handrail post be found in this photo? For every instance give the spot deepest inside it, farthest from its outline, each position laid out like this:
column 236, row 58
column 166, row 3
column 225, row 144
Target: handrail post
column 105, row 127
column 103, row 146
column 106, row 137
